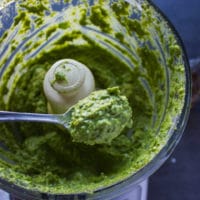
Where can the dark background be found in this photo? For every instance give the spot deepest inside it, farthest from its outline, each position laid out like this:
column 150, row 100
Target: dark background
column 179, row 177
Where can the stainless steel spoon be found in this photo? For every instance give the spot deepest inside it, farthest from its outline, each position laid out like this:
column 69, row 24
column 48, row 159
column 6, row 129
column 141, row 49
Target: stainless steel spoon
column 96, row 109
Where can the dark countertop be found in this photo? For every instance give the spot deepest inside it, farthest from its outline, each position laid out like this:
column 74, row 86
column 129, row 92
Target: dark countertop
column 179, row 177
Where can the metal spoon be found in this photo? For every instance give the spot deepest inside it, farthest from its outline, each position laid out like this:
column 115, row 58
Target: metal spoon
column 96, row 109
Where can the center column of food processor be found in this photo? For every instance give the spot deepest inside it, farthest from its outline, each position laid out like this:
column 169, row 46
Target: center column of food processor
column 66, row 82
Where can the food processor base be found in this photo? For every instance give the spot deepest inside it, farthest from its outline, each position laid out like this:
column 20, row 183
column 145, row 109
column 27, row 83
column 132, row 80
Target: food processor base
column 139, row 192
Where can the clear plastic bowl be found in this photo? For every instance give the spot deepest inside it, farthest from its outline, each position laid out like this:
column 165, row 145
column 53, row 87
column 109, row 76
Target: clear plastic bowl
column 159, row 40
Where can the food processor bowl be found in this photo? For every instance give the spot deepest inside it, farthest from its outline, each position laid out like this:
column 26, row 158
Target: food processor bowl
column 134, row 34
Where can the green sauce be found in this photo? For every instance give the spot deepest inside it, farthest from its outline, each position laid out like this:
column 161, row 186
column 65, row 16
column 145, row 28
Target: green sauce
column 100, row 117
column 136, row 52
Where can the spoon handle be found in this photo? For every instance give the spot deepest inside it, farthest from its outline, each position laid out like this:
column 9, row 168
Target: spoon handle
column 34, row 117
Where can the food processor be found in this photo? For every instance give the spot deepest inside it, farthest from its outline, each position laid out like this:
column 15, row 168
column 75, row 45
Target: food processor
column 141, row 40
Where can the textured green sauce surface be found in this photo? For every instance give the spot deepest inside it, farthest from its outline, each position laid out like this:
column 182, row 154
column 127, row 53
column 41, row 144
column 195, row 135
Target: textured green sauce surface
column 136, row 52
column 100, row 117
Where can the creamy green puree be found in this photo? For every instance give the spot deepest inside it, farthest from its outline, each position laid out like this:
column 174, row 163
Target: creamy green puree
column 125, row 45
column 100, row 117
